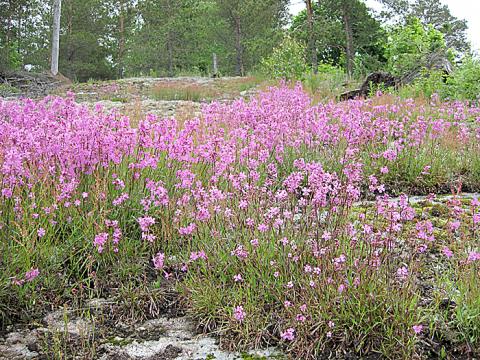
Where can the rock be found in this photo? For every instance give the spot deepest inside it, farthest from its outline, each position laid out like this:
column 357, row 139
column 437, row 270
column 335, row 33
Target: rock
column 156, row 339
column 377, row 80
column 161, row 108
column 175, row 339
column 99, row 303
column 31, row 84
column 20, row 346
column 62, row 322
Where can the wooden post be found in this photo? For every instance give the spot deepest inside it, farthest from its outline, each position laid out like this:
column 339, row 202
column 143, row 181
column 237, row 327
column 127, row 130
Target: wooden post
column 57, row 9
column 215, row 66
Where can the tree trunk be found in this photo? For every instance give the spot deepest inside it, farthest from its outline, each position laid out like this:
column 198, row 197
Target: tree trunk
column 19, row 35
column 215, row 66
column 121, row 41
column 8, row 35
column 311, row 37
column 238, row 47
column 70, row 29
column 57, row 8
column 170, row 55
column 349, row 48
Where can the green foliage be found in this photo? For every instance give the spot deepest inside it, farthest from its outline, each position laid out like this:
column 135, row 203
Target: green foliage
column 325, row 84
column 468, row 309
column 464, row 83
column 252, row 27
column 430, row 83
column 287, row 61
column 329, row 34
column 24, row 33
column 118, row 38
column 84, row 46
column 409, row 45
column 431, row 12
column 10, row 58
column 7, row 90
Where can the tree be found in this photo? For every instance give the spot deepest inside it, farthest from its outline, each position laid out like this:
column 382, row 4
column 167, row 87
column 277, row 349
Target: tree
column 56, row 35
column 84, row 41
column 157, row 43
column 250, row 21
column 409, row 46
column 431, row 12
column 346, row 8
column 120, row 24
column 311, row 36
column 287, row 61
column 345, row 34
column 24, row 34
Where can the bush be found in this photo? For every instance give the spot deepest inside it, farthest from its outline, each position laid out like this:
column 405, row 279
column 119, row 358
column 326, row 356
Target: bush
column 430, row 83
column 10, row 59
column 287, row 61
column 408, row 46
column 326, row 83
column 8, row 90
column 464, row 84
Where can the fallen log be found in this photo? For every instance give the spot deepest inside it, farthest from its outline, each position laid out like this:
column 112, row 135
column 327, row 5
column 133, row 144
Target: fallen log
column 373, row 82
column 436, row 61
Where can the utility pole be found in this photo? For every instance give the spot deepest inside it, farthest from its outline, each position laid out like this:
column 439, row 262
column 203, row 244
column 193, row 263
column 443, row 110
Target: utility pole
column 57, row 9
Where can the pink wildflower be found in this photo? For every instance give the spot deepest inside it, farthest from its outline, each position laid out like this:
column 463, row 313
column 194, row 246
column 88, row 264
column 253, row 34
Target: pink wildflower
column 473, row 256
column 239, row 314
column 158, row 261
column 301, row 318
column 41, row 232
column 288, row 335
column 447, row 252
column 146, row 222
column 188, row 230
column 237, row 278
column 417, row 328
column 198, row 255
column 31, row 274
column 402, row 273
column 99, row 241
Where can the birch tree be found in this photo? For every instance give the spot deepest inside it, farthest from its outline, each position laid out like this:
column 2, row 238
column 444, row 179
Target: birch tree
column 57, row 8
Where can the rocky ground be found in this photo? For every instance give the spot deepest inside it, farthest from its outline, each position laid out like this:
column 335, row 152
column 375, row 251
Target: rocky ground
column 89, row 337
column 180, row 97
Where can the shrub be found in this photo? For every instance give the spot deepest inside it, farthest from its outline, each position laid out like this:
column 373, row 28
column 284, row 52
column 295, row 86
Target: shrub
column 10, row 59
column 287, row 61
column 327, row 83
column 464, row 83
column 430, row 83
column 409, row 45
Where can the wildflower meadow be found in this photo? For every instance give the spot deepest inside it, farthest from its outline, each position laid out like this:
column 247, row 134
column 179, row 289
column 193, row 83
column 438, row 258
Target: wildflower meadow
column 318, row 228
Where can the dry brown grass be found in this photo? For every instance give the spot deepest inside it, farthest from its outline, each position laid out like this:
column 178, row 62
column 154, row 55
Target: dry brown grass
column 135, row 112
column 209, row 91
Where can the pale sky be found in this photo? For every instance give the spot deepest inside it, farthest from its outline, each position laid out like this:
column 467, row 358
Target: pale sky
column 462, row 9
